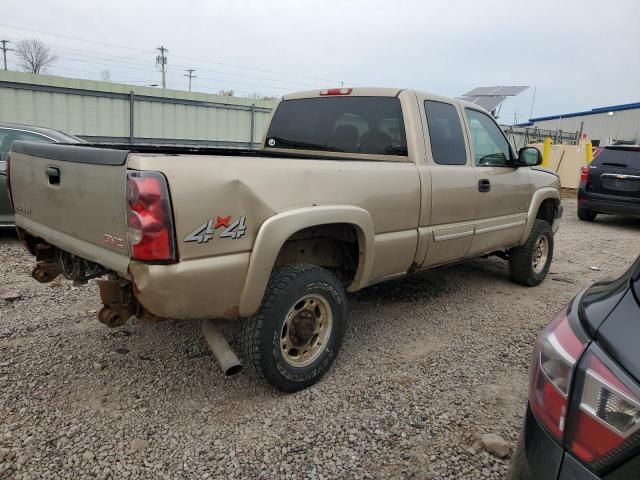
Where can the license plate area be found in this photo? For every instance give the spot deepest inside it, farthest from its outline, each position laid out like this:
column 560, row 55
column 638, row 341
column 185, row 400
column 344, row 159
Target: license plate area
column 621, row 183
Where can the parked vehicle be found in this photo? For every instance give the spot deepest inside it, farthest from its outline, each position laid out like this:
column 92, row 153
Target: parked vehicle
column 611, row 183
column 583, row 416
column 9, row 132
column 352, row 187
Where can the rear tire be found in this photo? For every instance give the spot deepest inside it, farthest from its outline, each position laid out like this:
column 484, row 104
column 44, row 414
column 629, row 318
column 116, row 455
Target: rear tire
column 529, row 263
column 296, row 334
column 586, row 215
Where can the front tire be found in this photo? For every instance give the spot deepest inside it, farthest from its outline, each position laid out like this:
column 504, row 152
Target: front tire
column 529, row 263
column 296, row 334
column 586, row 215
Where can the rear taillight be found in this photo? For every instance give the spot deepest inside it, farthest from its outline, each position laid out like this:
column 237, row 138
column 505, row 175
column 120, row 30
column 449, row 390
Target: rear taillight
column 584, row 174
column 557, row 350
column 150, row 222
column 582, row 398
column 607, row 417
column 336, row 91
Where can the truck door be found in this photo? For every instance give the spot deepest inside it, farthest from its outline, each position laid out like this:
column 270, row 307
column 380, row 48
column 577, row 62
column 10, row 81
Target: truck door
column 450, row 228
column 504, row 190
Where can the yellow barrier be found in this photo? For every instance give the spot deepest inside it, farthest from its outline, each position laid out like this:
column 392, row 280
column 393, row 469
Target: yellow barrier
column 546, row 152
column 589, row 148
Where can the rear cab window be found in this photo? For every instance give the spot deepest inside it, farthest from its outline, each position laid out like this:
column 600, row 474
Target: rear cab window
column 445, row 133
column 356, row 125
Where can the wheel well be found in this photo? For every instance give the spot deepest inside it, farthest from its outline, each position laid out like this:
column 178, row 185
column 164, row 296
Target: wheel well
column 331, row 246
column 547, row 210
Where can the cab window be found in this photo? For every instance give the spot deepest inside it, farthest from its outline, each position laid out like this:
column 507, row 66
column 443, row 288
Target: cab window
column 488, row 144
column 445, row 133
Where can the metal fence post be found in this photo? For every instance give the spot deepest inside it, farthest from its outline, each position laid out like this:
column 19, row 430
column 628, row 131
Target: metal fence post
column 253, row 125
column 131, row 115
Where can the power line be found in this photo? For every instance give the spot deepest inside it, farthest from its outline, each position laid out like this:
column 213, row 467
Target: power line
column 111, row 63
column 71, row 37
column 93, row 53
column 224, row 83
column 177, row 56
column 97, row 59
column 98, row 55
column 126, row 63
column 162, row 61
column 190, row 75
column 255, row 69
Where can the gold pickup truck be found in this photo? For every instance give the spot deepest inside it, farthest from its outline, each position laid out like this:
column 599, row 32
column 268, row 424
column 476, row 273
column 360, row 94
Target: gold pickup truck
column 351, row 187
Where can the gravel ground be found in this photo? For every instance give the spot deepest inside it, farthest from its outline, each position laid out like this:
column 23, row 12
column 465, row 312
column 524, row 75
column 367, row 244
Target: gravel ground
column 430, row 364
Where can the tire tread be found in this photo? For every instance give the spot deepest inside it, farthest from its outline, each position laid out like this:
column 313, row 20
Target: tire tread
column 520, row 270
column 252, row 329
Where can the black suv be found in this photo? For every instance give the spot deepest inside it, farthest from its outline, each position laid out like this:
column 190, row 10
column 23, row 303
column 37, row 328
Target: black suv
column 611, row 183
column 583, row 416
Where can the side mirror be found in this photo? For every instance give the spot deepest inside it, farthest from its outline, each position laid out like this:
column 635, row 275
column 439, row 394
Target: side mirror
column 529, row 157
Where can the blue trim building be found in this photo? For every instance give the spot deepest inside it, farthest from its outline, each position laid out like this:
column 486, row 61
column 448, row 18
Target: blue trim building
column 603, row 125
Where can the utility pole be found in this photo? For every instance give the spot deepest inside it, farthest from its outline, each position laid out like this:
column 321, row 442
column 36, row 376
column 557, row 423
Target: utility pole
column 4, row 51
column 161, row 61
column 190, row 75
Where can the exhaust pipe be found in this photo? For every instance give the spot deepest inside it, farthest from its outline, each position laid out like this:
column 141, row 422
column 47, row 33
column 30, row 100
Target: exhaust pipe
column 224, row 354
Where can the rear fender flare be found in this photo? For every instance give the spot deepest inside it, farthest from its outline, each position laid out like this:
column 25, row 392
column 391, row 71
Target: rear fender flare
column 275, row 231
column 539, row 196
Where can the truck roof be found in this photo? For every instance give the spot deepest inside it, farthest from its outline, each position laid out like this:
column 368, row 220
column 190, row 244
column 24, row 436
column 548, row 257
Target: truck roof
column 376, row 92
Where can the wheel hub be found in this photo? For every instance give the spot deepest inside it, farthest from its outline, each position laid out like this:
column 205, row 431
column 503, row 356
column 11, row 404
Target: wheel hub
column 540, row 254
column 303, row 327
column 306, row 330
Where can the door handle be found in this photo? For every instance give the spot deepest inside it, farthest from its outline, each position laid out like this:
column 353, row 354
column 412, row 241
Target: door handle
column 484, row 185
column 53, row 174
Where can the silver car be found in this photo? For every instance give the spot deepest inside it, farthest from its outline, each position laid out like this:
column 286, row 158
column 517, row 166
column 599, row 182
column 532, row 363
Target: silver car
column 10, row 132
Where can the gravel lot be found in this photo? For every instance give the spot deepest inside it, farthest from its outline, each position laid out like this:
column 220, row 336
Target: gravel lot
column 430, row 364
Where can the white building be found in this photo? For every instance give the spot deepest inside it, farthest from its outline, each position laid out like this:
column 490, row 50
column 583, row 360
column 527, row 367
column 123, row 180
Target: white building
column 604, row 126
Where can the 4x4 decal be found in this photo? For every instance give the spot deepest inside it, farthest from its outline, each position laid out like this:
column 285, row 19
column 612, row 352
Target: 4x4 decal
column 206, row 231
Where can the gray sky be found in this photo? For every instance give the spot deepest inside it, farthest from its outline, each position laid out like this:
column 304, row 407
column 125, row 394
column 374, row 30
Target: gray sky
column 579, row 54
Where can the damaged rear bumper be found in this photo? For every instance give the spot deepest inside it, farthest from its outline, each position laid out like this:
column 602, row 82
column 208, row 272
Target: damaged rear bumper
column 191, row 289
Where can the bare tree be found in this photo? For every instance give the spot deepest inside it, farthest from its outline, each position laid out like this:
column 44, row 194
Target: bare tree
column 105, row 75
column 34, row 56
column 226, row 93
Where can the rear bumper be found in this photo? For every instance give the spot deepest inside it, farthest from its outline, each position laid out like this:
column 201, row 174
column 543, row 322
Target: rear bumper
column 610, row 204
column 539, row 457
column 192, row 289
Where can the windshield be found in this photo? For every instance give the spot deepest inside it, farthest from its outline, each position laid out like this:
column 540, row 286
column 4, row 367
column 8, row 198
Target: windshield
column 372, row 125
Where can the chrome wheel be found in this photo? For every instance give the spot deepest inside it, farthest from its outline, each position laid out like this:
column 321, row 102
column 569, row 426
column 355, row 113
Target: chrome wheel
column 540, row 254
column 306, row 330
